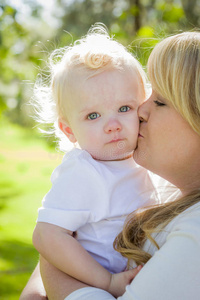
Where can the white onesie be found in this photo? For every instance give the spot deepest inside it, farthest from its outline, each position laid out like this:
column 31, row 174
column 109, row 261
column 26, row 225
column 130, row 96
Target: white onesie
column 93, row 198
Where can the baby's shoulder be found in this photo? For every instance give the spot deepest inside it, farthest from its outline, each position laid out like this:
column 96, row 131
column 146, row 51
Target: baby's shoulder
column 77, row 165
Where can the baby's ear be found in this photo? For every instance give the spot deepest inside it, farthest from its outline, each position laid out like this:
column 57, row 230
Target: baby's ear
column 64, row 127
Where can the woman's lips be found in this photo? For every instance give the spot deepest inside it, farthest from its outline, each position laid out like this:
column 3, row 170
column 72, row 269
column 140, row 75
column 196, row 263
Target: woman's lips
column 139, row 135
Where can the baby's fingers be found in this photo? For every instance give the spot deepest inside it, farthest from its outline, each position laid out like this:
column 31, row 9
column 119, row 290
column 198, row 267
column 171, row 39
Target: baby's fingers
column 132, row 273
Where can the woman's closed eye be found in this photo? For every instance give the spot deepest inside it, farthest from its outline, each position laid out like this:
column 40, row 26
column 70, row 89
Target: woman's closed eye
column 93, row 116
column 158, row 103
column 124, row 108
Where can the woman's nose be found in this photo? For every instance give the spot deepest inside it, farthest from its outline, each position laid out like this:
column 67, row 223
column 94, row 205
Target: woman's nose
column 143, row 111
column 112, row 126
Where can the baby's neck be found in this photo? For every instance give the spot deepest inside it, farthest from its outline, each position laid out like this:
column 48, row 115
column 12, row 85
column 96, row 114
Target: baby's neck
column 117, row 159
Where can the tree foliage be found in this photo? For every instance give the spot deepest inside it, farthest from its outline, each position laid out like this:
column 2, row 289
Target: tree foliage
column 138, row 23
column 19, row 58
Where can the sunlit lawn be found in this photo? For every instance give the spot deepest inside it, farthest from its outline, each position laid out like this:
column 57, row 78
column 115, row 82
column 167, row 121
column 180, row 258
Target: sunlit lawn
column 26, row 164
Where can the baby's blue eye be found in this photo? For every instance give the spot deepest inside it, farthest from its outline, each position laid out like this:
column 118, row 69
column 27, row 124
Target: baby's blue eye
column 93, row 116
column 124, row 109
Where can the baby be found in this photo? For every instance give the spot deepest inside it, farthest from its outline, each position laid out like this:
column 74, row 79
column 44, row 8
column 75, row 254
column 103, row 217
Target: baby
column 96, row 88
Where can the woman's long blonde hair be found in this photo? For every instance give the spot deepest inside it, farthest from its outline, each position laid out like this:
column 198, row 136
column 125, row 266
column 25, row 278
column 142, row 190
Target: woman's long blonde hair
column 174, row 72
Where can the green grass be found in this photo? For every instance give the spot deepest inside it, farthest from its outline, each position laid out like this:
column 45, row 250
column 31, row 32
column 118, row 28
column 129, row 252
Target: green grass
column 26, row 164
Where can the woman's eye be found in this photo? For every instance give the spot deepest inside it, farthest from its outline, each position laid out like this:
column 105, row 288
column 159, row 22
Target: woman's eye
column 124, row 108
column 93, row 116
column 158, row 103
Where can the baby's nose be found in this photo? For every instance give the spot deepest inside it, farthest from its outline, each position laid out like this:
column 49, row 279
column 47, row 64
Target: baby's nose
column 112, row 126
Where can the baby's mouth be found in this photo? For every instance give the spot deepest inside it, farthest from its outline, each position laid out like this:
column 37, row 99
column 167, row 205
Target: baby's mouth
column 115, row 140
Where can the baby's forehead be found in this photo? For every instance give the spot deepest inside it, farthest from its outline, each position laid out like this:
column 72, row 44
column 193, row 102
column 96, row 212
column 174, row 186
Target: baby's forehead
column 108, row 96
column 89, row 92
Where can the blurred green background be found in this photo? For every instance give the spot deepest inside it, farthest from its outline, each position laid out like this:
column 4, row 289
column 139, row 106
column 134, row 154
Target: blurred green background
column 29, row 30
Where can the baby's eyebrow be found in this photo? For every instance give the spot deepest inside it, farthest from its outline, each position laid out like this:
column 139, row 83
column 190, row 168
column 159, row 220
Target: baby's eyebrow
column 128, row 102
column 86, row 110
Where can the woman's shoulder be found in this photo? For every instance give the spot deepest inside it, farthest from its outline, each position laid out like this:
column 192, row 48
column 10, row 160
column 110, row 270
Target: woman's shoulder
column 191, row 213
column 186, row 226
column 188, row 223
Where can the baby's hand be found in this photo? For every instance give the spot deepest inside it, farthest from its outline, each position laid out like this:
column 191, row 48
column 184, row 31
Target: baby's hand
column 119, row 281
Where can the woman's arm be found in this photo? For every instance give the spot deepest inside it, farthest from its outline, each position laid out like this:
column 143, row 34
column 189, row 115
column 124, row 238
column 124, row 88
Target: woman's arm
column 58, row 284
column 34, row 289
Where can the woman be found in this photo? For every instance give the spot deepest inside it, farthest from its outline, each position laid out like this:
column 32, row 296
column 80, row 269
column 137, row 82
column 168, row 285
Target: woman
column 165, row 238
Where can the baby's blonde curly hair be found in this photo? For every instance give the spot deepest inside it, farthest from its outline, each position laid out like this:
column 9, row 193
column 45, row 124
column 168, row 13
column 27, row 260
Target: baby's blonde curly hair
column 71, row 66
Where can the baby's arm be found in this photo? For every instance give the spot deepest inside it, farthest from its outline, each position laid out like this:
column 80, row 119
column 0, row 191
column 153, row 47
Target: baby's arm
column 61, row 249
